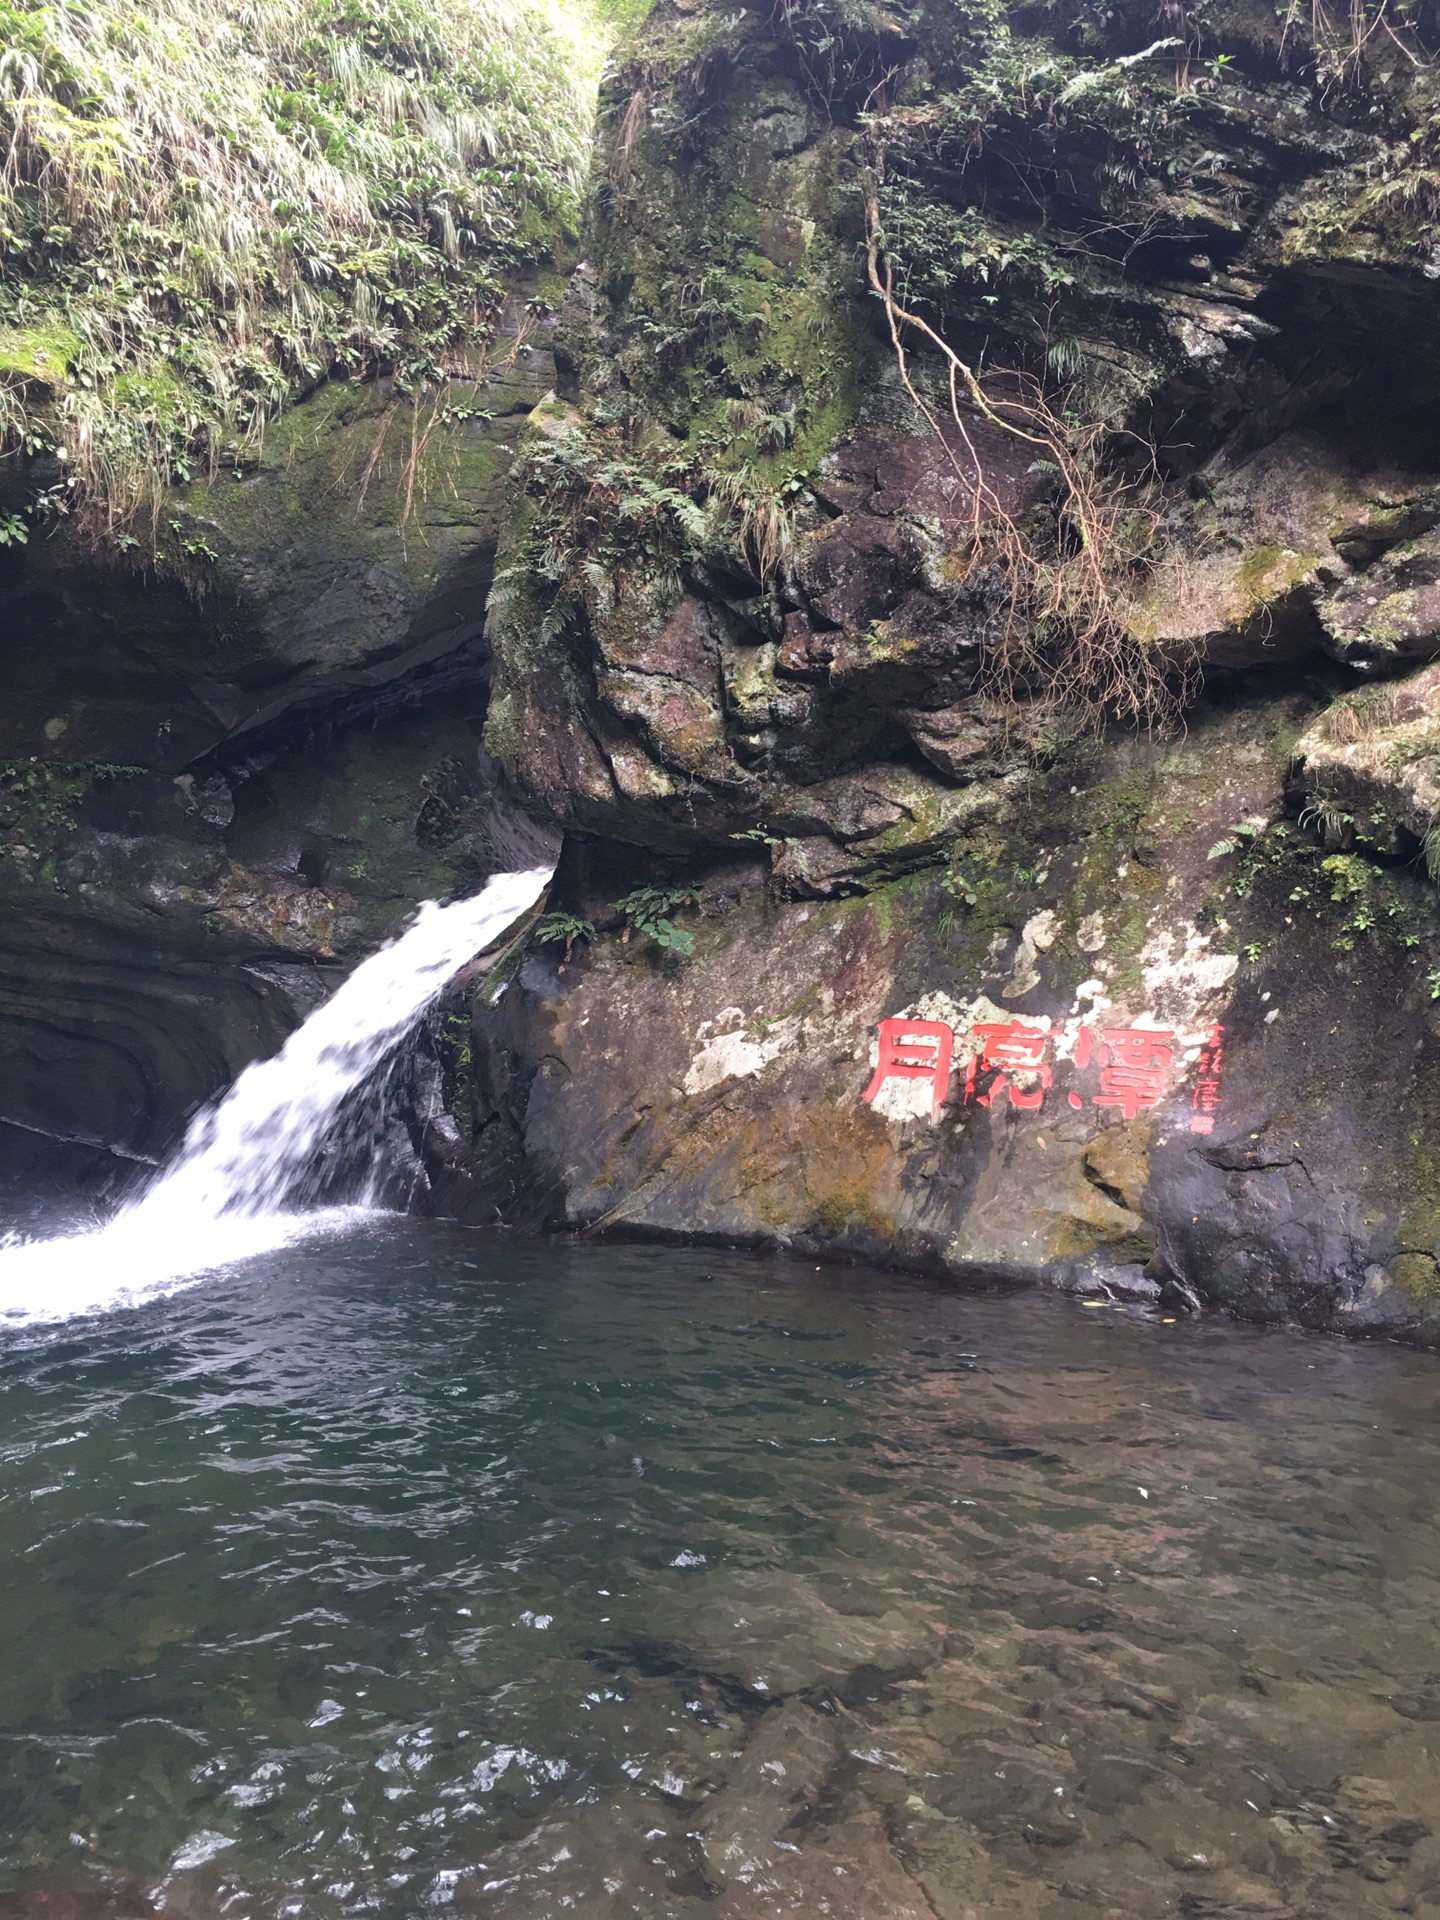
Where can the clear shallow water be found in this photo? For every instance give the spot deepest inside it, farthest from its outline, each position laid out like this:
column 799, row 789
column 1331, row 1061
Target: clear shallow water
column 425, row 1571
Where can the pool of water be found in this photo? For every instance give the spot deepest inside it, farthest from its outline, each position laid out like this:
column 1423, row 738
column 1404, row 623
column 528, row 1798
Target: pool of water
column 428, row 1571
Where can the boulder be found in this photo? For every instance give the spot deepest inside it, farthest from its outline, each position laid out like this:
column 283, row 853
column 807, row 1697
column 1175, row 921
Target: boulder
column 1388, row 614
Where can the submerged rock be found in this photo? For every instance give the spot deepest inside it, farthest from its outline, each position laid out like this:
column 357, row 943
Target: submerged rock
column 852, row 1874
column 779, row 1777
column 110, row 1902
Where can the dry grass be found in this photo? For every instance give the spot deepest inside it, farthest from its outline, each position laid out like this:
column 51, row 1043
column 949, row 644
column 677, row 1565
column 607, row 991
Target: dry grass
column 1362, row 716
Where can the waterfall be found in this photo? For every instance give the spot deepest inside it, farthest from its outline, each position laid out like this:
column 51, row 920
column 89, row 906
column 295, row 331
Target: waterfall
column 239, row 1183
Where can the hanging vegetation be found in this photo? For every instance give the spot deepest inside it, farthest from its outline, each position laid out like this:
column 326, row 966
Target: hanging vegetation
column 208, row 206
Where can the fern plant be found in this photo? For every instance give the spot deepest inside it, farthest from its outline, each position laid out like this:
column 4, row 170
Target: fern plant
column 648, row 909
column 1236, row 838
column 551, row 928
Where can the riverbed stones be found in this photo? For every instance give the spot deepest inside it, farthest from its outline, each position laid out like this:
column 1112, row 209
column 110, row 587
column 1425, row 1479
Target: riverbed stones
column 779, row 1777
column 123, row 1901
column 850, row 1874
column 772, row 1634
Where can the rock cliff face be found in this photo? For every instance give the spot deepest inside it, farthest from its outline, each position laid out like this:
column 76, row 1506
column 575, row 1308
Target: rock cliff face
column 218, row 790
column 1167, row 1080
column 743, row 651
column 872, row 935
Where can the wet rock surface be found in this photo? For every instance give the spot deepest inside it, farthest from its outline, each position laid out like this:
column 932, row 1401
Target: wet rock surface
column 1149, row 888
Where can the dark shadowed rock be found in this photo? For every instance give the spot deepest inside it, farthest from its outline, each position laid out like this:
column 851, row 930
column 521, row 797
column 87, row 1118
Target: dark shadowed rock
column 222, row 791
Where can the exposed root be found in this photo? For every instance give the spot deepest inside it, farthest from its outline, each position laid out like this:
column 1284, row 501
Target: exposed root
column 1067, row 638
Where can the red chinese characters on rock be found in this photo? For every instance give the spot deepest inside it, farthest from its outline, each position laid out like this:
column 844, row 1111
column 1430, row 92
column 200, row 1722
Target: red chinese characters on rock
column 1206, row 1098
column 915, row 1050
column 1007, row 1048
column 1134, row 1065
column 1134, row 1062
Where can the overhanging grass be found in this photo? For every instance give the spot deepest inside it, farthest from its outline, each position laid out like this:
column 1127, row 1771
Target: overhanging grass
column 207, row 206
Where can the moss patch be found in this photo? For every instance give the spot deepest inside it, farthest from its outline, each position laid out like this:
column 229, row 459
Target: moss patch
column 1419, row 1275
column 846, row 1215
column 43, row 354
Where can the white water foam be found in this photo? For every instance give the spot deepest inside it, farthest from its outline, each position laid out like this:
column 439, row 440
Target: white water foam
column 235, row 1187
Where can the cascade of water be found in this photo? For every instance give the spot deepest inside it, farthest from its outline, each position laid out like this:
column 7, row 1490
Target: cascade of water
column 239, row 1183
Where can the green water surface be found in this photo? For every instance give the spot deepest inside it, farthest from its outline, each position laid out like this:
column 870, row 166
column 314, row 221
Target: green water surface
column 431, row 1571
